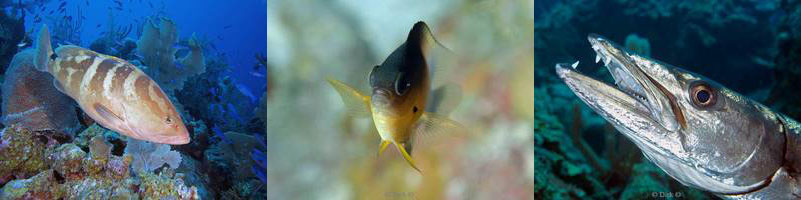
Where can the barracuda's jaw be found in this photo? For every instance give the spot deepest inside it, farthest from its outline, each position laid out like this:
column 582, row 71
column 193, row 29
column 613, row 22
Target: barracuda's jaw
column 631, row 79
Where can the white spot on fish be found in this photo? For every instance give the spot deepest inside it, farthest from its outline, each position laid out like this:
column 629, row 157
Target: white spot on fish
column 108, row 80
column 87, row 76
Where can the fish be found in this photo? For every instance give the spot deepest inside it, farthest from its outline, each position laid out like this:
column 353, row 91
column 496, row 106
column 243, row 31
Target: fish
column 400, row 89
column 227, row 27
column 256, row 74
column 699, row 132
column 115, row 93
column 22, row 44
column 98, row 26
column 62, row 5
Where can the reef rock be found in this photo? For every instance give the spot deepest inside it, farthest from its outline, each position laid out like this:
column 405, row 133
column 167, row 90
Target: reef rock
column 31, row 100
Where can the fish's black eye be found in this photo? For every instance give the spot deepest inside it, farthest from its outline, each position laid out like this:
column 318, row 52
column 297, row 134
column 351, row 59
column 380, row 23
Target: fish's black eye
column 703, row 95
column 402, row 83
column 370, row 76
column 53, row 56
column 168, row 120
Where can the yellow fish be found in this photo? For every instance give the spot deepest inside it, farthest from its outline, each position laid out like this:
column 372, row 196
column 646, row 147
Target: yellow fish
column 112, row 91
column 400, row 92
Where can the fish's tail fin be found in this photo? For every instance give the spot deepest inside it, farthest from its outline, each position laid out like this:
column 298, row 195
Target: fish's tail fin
column 405, row 151
column 357, row 104
column 43, row 49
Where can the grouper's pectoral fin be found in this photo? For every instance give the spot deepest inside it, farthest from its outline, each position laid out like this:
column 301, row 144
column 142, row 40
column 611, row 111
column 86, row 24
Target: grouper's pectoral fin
column 406, row 155
column 357, row 104
column 107, row 114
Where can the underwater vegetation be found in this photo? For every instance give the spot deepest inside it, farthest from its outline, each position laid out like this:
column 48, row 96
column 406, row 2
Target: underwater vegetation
column 748, row 46
column 52, row 149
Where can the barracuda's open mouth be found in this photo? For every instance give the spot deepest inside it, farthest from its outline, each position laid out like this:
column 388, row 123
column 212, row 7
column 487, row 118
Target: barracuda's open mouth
column 644, row 103
column 635, row 82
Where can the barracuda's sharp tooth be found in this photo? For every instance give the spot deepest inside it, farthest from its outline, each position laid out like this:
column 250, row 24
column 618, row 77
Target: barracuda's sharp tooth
column 607, row 60
column 575, row 64
column 597, row 58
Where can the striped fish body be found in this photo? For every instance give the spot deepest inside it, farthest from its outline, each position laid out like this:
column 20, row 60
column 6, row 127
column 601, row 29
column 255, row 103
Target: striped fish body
column 113, row 92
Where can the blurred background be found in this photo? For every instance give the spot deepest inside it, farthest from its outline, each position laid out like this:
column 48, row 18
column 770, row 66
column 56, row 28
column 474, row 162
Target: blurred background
column 749, row 46
column 316, row 150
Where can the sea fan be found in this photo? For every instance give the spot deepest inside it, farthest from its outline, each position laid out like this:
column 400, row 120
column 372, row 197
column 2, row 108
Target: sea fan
column 150, row 156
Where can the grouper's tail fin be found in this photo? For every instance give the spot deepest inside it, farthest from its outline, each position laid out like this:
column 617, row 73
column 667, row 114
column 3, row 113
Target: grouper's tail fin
column 43, row 49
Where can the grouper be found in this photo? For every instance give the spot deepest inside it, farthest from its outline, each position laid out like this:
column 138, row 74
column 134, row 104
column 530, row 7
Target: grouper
column 699, row 132
column 112, row 91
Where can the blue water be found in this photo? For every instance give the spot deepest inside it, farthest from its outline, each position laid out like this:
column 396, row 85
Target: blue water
column 237, row 29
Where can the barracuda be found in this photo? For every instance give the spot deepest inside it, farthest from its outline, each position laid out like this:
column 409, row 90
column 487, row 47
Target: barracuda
column 699, row 132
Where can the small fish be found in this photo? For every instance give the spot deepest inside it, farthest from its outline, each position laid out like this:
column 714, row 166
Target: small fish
column 257, row 74
column 98, row 26
column 22, row 44
column 219, row 37
column 150, row 4
column 118, row 8
column 400, row 91
column 227, row 27
column 112, row 91
column 232, row 111
column 51, row 12
column 62, row 5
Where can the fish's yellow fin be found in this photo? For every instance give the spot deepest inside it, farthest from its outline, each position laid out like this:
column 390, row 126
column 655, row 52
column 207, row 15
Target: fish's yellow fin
column 357, row 104
column 383, row 146
column 431, row 125
column 407, row 156
column 445, row 99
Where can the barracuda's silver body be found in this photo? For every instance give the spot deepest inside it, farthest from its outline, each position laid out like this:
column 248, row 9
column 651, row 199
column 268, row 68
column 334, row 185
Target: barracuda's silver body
column 735, row 147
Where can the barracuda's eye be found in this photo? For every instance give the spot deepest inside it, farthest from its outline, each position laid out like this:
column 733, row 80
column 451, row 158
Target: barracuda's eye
column 370, row 76
column 402, row 83
column 702, row 95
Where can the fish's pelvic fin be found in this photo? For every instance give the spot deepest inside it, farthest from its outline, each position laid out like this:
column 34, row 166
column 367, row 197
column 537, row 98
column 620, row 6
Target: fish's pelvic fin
column 383, row 146
column 406, row 155
column 445, row 99
column 357, row 104
column 43, row 50
column 432, row 125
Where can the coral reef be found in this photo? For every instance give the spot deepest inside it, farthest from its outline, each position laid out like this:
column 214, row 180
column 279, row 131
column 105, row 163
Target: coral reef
column 638, row 44
column 156, row 45
column 23, row 155
column 229, row 171
column 66, row 171
column 30, row 100
column 787, row 70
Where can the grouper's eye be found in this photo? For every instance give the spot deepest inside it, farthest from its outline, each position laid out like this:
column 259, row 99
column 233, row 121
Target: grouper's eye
column 169, row 120
column 402, row 83
column 372, row 79
column 703, row 95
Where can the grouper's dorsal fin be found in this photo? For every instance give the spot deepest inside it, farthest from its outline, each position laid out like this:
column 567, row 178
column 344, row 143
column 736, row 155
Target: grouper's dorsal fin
column 43, row 50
